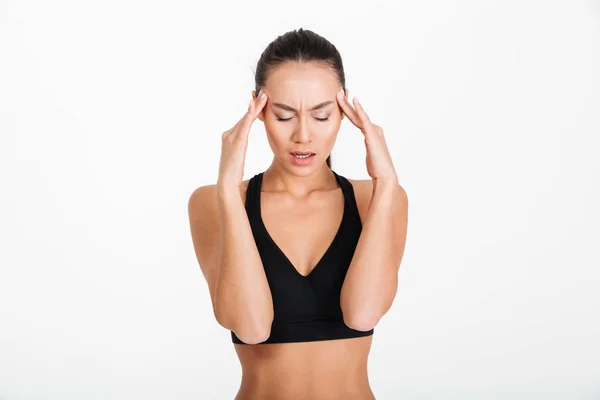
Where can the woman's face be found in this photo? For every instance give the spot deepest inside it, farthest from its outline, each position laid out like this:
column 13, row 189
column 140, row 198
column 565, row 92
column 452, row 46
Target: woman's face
column 301, row 114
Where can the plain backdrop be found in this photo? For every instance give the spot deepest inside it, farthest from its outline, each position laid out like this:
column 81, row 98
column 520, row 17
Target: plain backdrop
column 111, row 114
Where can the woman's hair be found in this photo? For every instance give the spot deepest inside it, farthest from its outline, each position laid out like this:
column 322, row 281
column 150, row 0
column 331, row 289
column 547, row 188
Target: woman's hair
column 300, row 45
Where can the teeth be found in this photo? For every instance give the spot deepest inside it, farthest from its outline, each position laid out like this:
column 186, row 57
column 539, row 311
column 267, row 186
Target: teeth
column 302, row 155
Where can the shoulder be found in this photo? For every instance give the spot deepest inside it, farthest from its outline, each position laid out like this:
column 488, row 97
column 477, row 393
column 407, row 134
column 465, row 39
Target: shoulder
column 364, row 188
column 203, row 213
column 363, row 192
column 204, row 198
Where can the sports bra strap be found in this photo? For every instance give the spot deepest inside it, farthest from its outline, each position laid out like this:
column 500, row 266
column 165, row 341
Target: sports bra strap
column 255, row 184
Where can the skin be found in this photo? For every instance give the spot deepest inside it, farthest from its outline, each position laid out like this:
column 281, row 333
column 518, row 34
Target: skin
column 332, row 369
column 303, row 198
column 300, row 86
column 301, row 208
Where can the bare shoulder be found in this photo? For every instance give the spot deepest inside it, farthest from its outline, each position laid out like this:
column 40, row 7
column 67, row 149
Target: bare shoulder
column 204, row 229
column 363, row 191
column 364, row 188
column 202, row 209
column 204, row 198
column 202, row 206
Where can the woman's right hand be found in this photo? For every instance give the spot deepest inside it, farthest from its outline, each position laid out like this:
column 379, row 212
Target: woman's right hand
column 234, row 145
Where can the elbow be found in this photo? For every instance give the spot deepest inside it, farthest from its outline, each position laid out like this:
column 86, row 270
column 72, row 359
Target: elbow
column 247, row 331
column 362, row 323
column 253, row 337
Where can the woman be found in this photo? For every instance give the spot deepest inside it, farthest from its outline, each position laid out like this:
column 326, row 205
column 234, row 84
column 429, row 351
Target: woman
column 301, row 263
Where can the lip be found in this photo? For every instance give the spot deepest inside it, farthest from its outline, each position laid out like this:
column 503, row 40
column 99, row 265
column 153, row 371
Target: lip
column 301, row 152
column 302, row 162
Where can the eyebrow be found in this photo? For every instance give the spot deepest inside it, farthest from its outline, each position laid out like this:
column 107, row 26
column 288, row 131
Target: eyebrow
column 288, row 108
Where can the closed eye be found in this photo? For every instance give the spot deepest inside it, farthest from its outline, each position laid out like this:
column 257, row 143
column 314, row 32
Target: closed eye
column 287, row 119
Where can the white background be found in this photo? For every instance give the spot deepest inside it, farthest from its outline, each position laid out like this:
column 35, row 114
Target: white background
column 111, row 114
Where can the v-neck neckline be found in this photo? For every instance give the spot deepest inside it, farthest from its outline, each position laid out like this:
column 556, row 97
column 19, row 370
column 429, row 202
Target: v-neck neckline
column 276, row 246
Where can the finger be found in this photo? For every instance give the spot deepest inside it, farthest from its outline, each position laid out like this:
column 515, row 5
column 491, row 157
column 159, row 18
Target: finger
column 259, row 104
column 366, row 121
column 242, row 120
column 348, row 110
column 254, row 109
column 242, row 125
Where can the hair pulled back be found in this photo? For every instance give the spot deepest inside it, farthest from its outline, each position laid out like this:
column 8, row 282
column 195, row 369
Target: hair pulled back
column 301, row 45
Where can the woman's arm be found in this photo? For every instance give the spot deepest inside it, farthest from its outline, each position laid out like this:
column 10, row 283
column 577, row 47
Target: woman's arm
column 372, row 278
column 230, row 262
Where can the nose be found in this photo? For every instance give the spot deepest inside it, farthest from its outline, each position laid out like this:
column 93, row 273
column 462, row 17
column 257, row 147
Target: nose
column 301, row 133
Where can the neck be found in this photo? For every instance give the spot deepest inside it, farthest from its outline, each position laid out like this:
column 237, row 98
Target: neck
column 278, row 179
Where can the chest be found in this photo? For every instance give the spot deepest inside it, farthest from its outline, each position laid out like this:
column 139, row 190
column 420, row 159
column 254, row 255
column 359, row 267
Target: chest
column 303, row 230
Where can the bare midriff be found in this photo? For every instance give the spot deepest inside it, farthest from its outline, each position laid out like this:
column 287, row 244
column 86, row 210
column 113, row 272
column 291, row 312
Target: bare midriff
column 324, row 370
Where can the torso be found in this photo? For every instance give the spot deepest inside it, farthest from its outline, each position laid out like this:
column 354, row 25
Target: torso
column 330, row 369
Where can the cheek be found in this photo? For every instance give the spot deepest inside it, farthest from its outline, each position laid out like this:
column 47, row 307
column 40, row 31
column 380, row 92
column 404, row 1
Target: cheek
column 332, row 137
column 333, row 127
column 277, row 136
column 329, row 132
column 275, row 131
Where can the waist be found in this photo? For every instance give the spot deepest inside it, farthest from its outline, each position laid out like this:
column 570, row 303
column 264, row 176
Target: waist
column 334, row 389
column 331, row 369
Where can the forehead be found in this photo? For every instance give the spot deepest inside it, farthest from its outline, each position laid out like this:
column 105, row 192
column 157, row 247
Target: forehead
column 294, row 81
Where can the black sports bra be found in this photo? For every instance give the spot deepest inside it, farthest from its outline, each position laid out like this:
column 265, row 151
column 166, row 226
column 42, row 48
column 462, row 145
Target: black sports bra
column 306, row 308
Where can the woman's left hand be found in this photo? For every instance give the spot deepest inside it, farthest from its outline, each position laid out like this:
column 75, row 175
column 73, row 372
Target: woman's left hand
column 379, row 160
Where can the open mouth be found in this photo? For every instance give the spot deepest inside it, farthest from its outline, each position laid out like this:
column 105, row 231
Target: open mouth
column 302, row 156
column 302, row 159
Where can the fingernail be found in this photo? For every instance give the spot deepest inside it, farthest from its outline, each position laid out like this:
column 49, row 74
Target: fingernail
column 262, row 95
column 341, row 91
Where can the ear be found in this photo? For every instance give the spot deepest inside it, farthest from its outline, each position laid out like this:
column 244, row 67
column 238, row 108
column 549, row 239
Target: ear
column 261, row 115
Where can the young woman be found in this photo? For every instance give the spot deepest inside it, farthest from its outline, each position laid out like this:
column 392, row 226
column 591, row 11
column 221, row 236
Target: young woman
column 301, row 262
